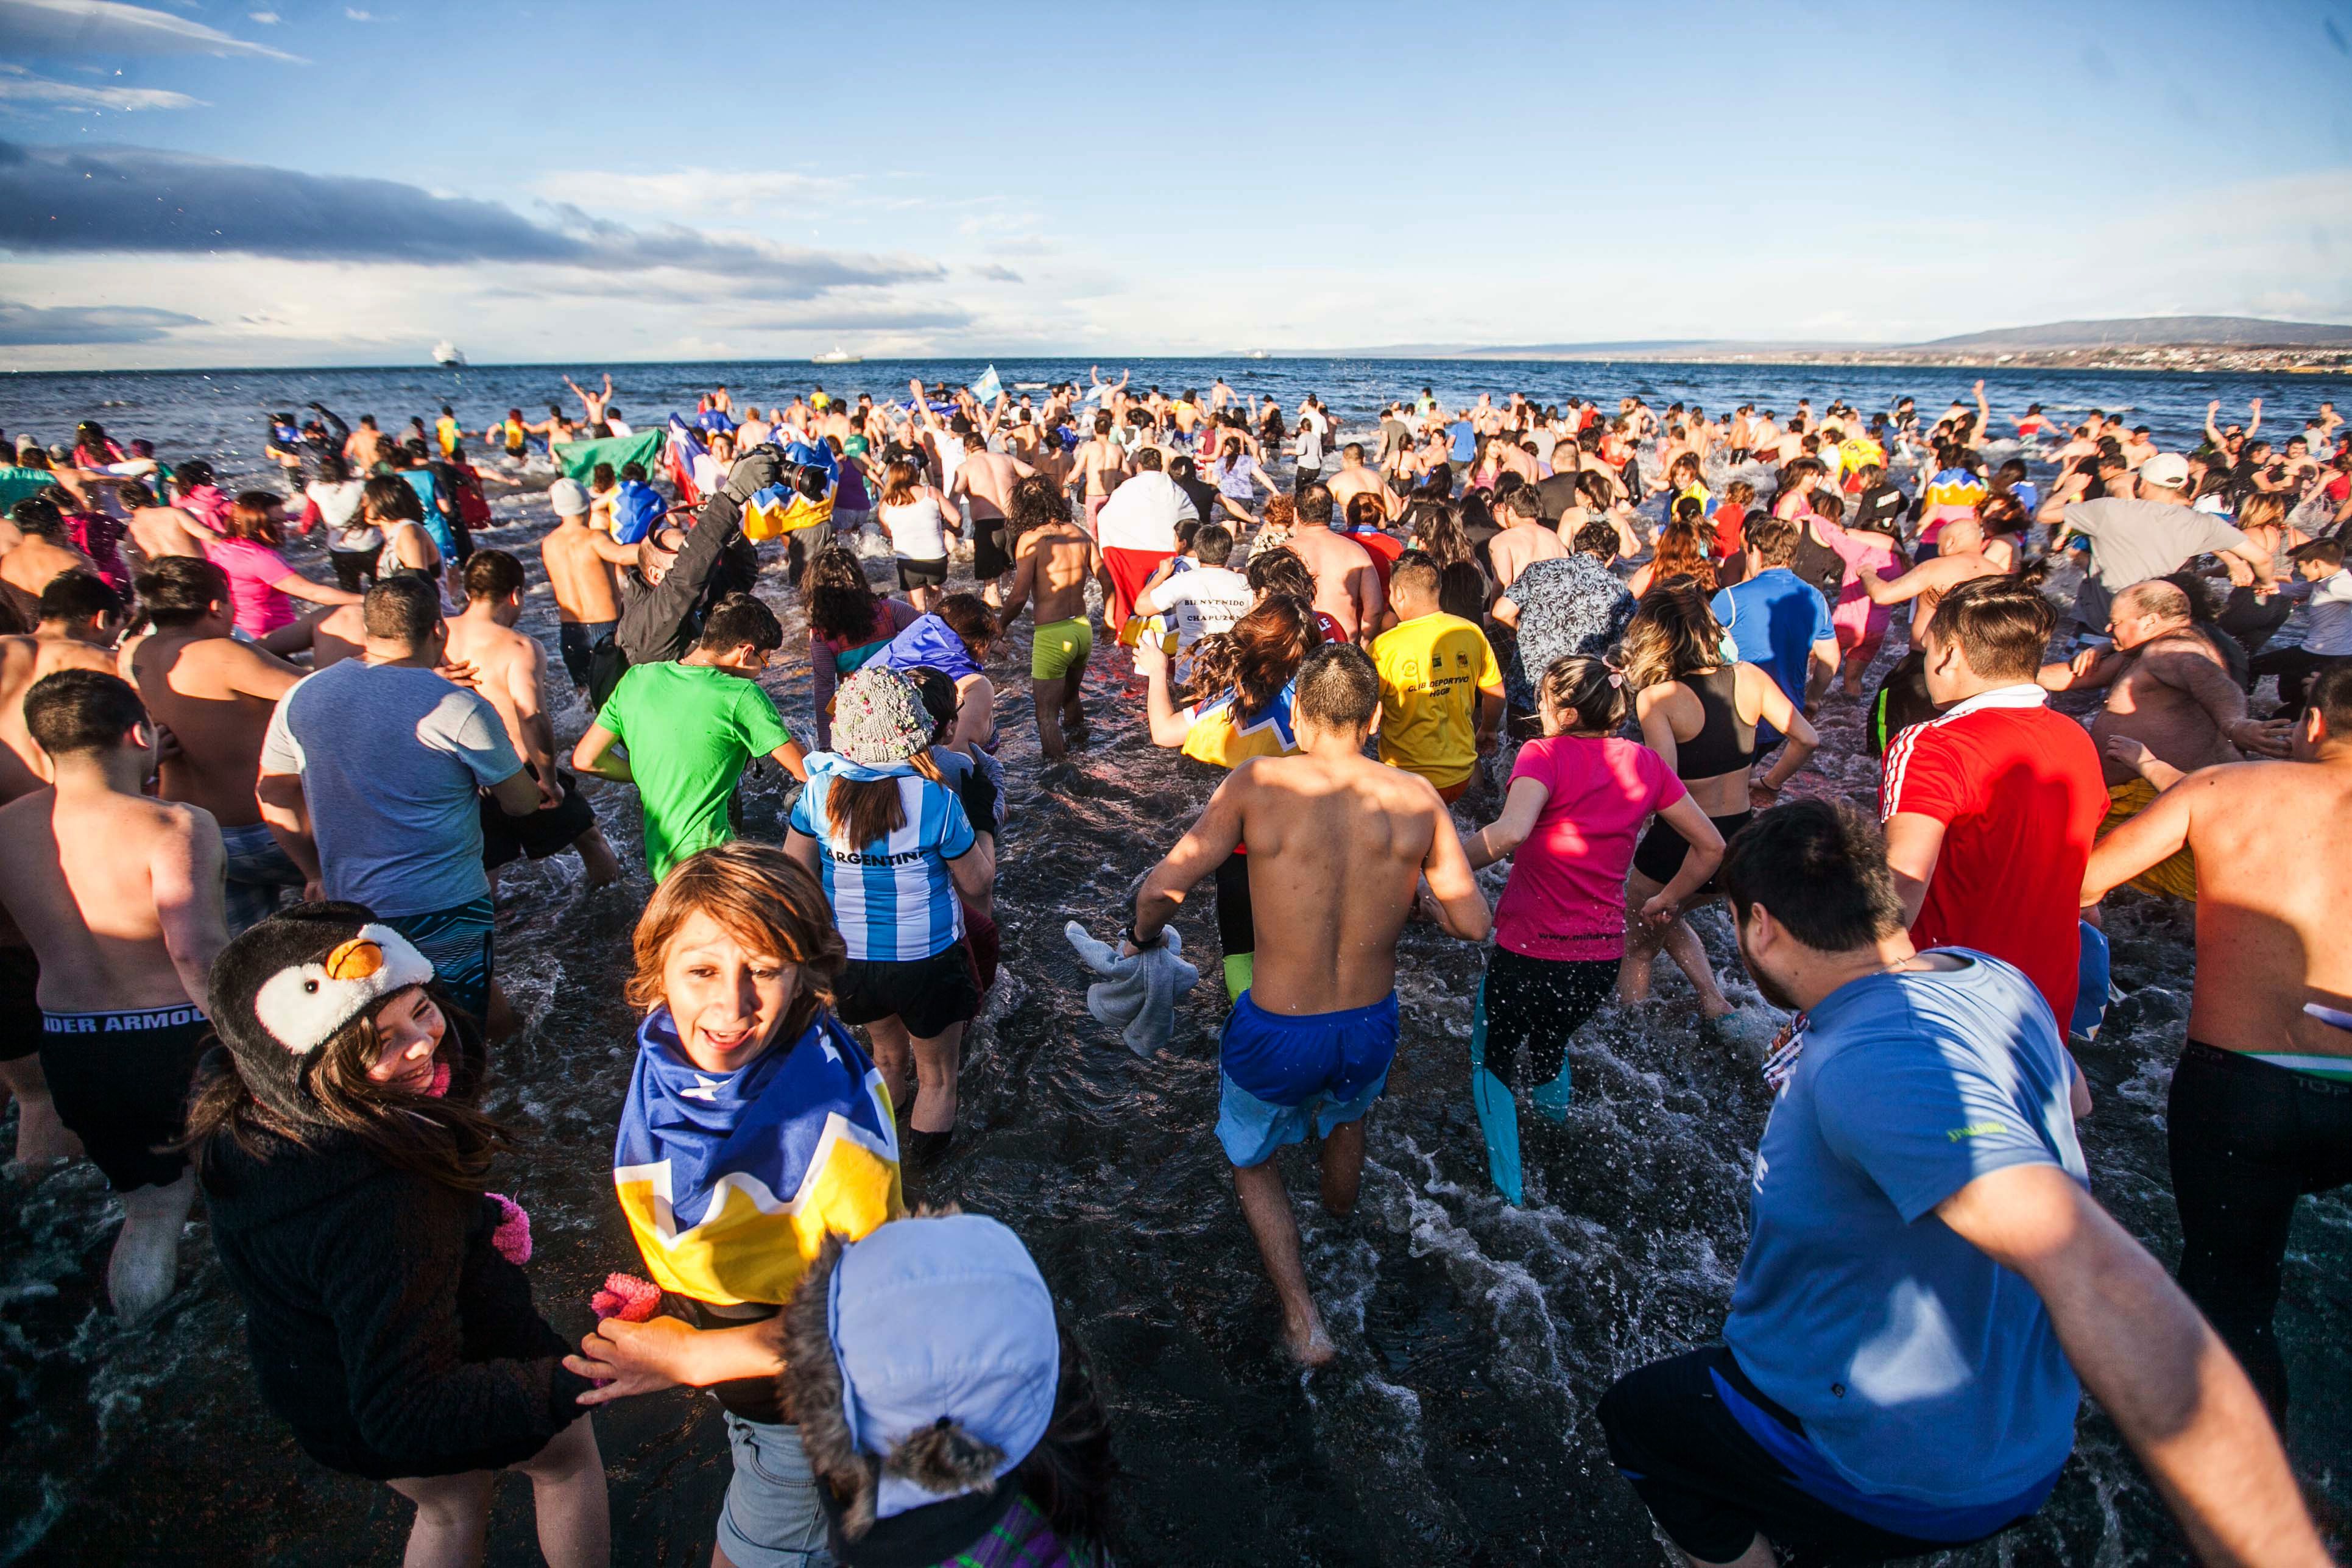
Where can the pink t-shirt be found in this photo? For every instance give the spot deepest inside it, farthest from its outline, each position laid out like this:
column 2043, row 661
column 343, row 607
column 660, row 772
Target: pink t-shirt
column 251, row 569
column 1566, row 897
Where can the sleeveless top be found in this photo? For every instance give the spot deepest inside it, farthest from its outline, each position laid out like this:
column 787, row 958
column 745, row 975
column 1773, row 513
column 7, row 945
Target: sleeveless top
column 1716, row 749
column 917, row 530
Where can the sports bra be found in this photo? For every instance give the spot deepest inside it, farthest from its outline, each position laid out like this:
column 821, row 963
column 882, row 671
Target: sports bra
column 1716, row 749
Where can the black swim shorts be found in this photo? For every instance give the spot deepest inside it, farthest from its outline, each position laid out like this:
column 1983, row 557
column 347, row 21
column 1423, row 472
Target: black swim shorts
column 120, row 1084
column 926, row 994
column 537, row 834
column 576, row 640
column 20, row 1014
column 922, row 574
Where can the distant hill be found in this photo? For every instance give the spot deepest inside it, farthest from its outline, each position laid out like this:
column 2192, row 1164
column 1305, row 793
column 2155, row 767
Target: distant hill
column 2218, row 331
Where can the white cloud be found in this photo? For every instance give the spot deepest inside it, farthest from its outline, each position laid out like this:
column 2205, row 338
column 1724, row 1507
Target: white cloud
column 89, row 26
column 266, row 19
column 18, row 85
column 359, row 15
column 690, row 192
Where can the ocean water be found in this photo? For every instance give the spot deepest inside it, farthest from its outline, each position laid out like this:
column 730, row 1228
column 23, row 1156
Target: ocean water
column 1475, row 1338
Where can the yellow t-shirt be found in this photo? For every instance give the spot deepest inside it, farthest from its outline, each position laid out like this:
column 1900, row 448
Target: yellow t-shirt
column 1431, row 669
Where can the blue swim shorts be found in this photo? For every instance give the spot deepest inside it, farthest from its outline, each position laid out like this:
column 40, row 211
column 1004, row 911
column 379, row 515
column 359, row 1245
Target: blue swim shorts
column 1282, row 1074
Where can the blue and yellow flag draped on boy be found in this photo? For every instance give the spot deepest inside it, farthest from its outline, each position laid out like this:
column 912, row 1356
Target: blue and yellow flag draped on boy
column 730, row 1181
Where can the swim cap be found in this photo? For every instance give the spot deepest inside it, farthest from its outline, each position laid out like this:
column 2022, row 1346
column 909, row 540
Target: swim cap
column 569, row 498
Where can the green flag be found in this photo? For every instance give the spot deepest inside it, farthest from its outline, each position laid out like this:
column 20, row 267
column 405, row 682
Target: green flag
column 579, row 459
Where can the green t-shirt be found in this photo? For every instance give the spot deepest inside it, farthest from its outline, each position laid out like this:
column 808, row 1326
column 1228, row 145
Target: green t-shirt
column 17, row 483
column 689, row 729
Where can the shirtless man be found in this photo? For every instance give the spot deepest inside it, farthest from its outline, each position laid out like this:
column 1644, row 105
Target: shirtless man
column 213, row 694
column 593, row 402
column 157, row 530
column 983, row 486
column 510, row 669
column 2171, row 708
column 366, row 446
column 40, row 554
column 1961, row 555
column 79, row 619
column 1347, row 585
column 1523, row 538
column 1100, row 464
column 579, row 561
column 1338, row 847
column 120, row 897
column 1355, row 479
column 2257, row 1115
column 1052, row 564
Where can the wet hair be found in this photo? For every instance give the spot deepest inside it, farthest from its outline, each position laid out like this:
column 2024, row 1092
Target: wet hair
column 401, row 610
column 2000, row 626
column 737, row 620
column 1280, row 571
column 764, row 900
column 493, row 575
column 1415, row 573
column 1672, row 633
column 1314, row 505
column 78, row 710
column 386, row 499
column 1256, row 659
column 1339, row 688
column 38, row 516
column 1820, row 866
column 1771, row 540
column 1586, row 689
column 969, row 616
column 841, row 603
column 254, row 516
column 1214, row 544
column 77, row 595
column 1680, row 552
column 180, row 589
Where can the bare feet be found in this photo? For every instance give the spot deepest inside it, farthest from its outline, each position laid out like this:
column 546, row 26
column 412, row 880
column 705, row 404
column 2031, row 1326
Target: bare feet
column 146, row 1266
column 42, row 1140
column 1309, row 1345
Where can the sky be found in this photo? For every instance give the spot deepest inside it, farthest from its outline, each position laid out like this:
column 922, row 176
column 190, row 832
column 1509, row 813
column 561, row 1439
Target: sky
column 283, row 183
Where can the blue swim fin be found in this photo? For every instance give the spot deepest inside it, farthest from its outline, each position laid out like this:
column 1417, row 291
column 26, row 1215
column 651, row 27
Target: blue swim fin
column 1498, row 1115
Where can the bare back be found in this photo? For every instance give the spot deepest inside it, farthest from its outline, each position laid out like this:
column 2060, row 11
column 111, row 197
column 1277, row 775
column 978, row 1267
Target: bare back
column 157, row 530
column 2157, row 701
column 1512, row 550
column 1337, row 845
column 1339, row 567
column 1061, row 558
column 95, row 880
column 216, row 695
column 580, row 578
column 22, row 661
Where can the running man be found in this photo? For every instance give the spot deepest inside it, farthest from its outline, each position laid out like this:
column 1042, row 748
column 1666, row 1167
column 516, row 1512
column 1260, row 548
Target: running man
column 2260, row 1106
column 1051, row 563
column 579, row 561
column 120, row 896
column 983, row 486
column 1337, row 846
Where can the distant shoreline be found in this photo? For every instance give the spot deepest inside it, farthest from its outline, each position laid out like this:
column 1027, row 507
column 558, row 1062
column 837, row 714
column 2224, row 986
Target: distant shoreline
column 2184, row 359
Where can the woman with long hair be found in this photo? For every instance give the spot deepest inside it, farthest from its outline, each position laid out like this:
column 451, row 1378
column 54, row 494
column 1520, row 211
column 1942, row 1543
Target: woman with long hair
column 1464, row 588
column 395, row 509
column 1242, row 689
column 891, row 840
column 1237, row 476
column 260, row 582
column 336, row 501
column 917, row 520
column 1574, row 806
column 1680, row 552
column 848, row 622
column 1872, row 550
column 1699, row 713
column 343, row 1161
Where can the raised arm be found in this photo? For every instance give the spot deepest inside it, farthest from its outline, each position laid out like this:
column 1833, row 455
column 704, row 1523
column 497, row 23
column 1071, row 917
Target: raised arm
column 2154, row 1365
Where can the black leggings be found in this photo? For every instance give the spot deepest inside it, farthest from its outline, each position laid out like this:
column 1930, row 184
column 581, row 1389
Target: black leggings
column 1538, row 1003
column 2295, row 668
column 1236, row 925
column 2247, row 1139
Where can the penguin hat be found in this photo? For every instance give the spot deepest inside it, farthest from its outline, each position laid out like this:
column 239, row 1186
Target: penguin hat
column 285, row 988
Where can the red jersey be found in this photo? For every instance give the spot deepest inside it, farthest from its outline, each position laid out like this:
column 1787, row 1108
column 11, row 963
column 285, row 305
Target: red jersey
column 1730, row 528
column 2021, row 794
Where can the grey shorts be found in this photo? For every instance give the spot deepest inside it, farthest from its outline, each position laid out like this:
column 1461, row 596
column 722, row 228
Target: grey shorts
column 771, row 1517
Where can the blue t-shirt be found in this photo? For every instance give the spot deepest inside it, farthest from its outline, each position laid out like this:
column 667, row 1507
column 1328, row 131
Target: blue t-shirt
column 1776, row 617
column 1923, row 1372
column 428, row 490
column 893, row 900
column 1466, row 440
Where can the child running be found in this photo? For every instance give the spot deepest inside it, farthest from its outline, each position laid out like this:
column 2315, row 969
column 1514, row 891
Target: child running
column 1578, row 798
column 387, row 1313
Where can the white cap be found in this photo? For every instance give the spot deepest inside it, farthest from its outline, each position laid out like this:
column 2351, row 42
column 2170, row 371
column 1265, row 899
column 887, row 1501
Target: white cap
column 2166, row 470
column 568, row 498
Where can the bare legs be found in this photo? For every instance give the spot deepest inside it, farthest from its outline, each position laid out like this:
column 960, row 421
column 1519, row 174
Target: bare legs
column 567, row 1483
column 146, row 1263
column 41, row 1137
column 1682, row 945
column 596, row 857
column 931, row 1063
column 1265, row 1204
column 1059, row 708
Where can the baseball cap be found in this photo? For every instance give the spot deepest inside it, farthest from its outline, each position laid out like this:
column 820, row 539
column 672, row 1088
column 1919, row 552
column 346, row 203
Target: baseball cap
column 2166, row 470
column 569, row 498
column 941, row 1322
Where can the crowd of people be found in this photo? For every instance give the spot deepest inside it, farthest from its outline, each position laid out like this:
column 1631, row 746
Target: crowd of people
column 255, row 822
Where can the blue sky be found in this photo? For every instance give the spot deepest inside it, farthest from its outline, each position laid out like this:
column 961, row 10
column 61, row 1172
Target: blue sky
column 282, row 182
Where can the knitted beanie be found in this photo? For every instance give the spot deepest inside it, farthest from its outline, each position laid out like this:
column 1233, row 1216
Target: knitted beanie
column 879, row 719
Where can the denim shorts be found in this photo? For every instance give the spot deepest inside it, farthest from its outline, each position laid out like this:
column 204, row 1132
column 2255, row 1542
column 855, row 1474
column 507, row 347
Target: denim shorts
column 771, row 1517
column 259, row 869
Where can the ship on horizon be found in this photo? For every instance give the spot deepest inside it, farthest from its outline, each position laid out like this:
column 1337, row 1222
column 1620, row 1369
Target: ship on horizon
column 448, row 354
column 838, row 356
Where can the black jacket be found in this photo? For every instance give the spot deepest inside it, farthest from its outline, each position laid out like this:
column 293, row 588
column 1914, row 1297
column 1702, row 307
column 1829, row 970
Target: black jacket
column 660, row 621
column 384, row 1326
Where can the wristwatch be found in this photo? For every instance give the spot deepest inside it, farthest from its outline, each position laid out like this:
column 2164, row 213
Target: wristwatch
column 1140, row 945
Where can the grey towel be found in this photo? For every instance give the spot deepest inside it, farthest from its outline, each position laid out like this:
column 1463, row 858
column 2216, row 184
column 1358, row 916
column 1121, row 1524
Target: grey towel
column 1138, row 997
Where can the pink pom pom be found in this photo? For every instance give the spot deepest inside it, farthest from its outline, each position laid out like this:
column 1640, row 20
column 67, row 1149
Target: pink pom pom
column 512, row 1236
column 628, row 1297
